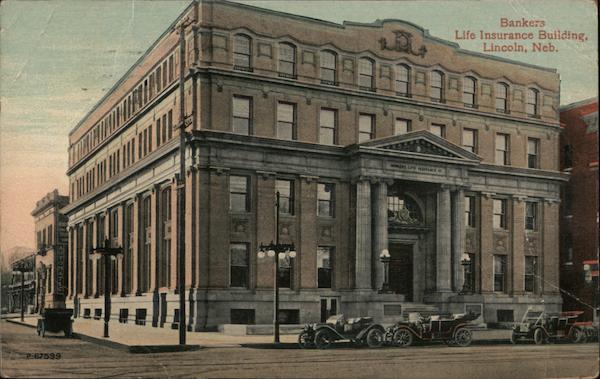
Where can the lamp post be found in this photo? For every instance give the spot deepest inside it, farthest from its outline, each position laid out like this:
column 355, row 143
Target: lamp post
column 276, row 251
column 385, row 258
column 467, row 272
column 108, row 253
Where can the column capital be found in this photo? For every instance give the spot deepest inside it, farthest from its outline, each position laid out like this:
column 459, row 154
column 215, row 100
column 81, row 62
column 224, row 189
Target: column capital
column 265, row 175
column 551, row 200
column 364, row 178
column 519, row 198
column 446, row 187
column 488, row 195
column 309, row 178
column 219, row 170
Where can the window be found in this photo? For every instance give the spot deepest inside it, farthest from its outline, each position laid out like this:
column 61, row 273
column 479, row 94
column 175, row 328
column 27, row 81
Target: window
column 324, row 266
column 533, row 145
column 144, row 266
column 365, row 127
column 502, row 97
column 286, row 121
column 499, row 273
column 437, row 86
column 439, row 130
column 469, row 140
column 239, row 269
column 241, row 115
column 470, row 92
column 365, row 74
column 242, row 316
column 499, row 213
column 328, row 68
column 286, row 196
column 530, row 273
column 114, row 227
column 238, row 193
column 287, row 60
column 327, row 126
column 470, row 211
column 530, row 215
column 242, row 53
column 401, row 126
column 531, row 107
column 325, row 199
column 285, row 271
column 502, row 145
column 402, row 80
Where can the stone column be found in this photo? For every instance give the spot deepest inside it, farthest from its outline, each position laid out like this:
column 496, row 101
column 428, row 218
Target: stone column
column 486, row 272
column 85, row 259
column 95, row 262
column 124, row 244
column 380, row 230
column 363, row 235
column 517, row 262
column 443, row 241
column 70, row 260
column 548, row 263
column 173, row 253
column 136, row 244
column 154, row 264
column 458, row 238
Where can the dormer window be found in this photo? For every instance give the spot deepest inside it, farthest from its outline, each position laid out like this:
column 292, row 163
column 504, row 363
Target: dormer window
column 242, row 53
column 366, row 74
column 470, row 92
column 402, row 80
column 437, row 86
column 329, row 68
column 287, row 60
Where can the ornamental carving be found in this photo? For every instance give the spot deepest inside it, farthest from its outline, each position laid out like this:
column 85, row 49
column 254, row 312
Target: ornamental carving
column 531, row 244
column 501, row 243
column 420, row 146
column 403, row 44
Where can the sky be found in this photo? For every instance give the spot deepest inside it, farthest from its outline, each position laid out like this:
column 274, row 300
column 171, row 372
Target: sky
column 59, row 57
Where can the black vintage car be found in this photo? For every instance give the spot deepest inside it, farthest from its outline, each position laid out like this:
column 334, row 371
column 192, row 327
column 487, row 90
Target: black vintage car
column 361, row 331
column 55, row 320
column 451, row 330
column 540, row 327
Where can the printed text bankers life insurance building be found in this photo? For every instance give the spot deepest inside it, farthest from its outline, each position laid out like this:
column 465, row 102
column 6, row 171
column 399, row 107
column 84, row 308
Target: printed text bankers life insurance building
column 377, row 136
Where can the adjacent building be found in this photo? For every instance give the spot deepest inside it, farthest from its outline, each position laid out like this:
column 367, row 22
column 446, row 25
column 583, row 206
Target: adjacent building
column 579, row 210
column 51, row 242
column 21, row 290
column 377, row 136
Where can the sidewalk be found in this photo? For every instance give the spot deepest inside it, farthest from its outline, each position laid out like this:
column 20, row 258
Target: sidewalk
column 146, row 339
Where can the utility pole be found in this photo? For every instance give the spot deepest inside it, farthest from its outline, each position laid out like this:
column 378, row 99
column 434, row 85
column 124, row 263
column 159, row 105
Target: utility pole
column 181, row 184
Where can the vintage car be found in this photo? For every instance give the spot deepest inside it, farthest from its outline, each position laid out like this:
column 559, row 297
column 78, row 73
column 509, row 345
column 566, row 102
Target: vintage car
column 55, row 320
column 541, row 327
column 359, row 330
column 451, row 330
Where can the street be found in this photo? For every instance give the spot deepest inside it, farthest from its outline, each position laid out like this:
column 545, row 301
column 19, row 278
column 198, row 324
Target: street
column 77, row 358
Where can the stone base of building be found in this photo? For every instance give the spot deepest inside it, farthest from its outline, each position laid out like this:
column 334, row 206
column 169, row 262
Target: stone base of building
column 207, row 309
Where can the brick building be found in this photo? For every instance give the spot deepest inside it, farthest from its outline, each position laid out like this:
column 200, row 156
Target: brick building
column 51, row 241
column 22, row 284
column 579, row 209
column 377, row 136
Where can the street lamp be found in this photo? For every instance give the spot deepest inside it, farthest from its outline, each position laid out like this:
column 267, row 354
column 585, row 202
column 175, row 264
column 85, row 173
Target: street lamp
column 108, row 253
column 276, row 251
column 385, row 258
column 466, row 263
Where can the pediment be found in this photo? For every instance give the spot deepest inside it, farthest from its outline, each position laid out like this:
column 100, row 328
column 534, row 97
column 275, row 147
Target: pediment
column 422, row 143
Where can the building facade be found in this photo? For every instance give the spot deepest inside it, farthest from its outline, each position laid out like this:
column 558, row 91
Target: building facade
column 51, row 241
column 21, row 290
column 377, row 137
column 579, row 208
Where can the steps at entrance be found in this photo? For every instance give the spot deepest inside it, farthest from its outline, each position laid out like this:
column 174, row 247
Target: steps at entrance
column 424, row 309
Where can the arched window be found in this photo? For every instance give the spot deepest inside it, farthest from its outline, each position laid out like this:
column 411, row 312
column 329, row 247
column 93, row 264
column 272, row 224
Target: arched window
column 502, row 97
column 287, row 60
column 402, row 80
column 242, row 52
column 366, row 74
column 532, row 108
column 328, row 67
column 403, row 209
column 470, row 92
column 437, row 86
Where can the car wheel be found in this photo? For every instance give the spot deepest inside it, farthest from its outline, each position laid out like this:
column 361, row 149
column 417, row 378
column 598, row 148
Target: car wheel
column 538, row 336
column 375, row 338
column 463, row 337
column 305, row 340
column 513, row 338
column 323, row 339
column 43, row 330
column 403, row 338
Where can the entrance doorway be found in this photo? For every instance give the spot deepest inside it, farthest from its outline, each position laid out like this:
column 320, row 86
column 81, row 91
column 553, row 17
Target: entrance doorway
column 401, row 270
